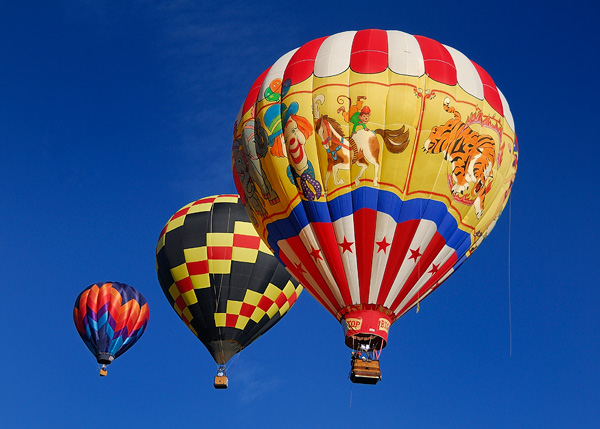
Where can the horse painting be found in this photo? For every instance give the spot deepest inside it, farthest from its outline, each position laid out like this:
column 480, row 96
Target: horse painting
column 362, row 148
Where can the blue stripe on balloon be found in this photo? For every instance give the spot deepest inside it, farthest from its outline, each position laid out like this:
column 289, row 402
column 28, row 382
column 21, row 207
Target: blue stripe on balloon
column 462, row 249
column 110, row 332
column 102, row 320
column 372, row 199
column 115, row 345
column 93, row 325
column 365, row 198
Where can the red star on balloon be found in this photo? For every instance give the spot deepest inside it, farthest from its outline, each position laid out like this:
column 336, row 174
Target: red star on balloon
column 434, row 269
column 299, row 267
column 346, row 245
column 316, row 253
column 415, row 254
column 383, row 245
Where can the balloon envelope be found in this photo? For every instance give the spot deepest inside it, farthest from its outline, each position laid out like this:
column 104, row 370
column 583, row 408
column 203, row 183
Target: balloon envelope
column 110, row 317
column 220, row 278
column 382, row 163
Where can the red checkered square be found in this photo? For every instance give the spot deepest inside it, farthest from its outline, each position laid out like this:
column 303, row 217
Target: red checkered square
column 197, row 268
column 246, row 241
column 265, row 303
column 180, row 303
column 281, row 299
column 231, row 320
column 184, row 285
column 247, row 309
column 219, row 252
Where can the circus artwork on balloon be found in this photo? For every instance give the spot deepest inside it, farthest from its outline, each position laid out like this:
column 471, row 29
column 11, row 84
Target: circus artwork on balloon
column 390, row 158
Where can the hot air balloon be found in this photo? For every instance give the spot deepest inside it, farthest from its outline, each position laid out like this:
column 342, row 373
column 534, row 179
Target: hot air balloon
column 110, row 317
column 394, row 157
column 220, row 278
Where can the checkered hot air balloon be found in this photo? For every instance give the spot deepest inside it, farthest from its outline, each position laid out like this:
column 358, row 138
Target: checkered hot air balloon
column 220, row 278
column 382, row 163
column 110, row 317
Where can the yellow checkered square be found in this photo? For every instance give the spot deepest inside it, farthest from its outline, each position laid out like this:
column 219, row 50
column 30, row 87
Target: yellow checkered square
column 284, row 308
column 234, row 307
column 187, row 316
column 251, row 297
column 174, row 224
column 226, row 199
column 221, row 239
column 220, row 319
column 219, row 266
column 241, row 322
column 195, row 254
column 272, row 292
column 200, row 281
column 174, row 292
column 160, row 245
column 189, row 297
column 257, row 314
column 201, row 207
column 179, row 272
column 244, row 228
column 289, row 289
column 272, row 311
column 242, row 254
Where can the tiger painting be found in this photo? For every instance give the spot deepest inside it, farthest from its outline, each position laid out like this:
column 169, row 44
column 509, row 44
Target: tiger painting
column 471, row 155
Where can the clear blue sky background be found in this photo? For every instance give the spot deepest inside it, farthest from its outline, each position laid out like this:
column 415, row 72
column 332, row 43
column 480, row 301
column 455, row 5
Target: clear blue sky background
column 113, row 115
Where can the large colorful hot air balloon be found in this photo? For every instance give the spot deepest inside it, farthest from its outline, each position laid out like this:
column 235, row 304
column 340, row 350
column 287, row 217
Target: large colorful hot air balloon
column 220, row 278
column 373, row 163
column 110, row 317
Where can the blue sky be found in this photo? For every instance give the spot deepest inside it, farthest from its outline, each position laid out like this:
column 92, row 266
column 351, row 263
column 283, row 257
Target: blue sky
column 112, row 117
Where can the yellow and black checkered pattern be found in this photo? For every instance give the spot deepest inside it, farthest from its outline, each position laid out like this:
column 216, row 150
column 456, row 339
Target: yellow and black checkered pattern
column 219, row 276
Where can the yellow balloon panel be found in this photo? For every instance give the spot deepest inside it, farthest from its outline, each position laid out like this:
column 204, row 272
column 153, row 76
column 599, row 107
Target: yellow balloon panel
column 372, row 175
column 386, row 145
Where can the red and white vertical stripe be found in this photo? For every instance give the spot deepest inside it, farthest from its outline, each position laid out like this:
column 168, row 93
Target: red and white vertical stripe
column 373, row 51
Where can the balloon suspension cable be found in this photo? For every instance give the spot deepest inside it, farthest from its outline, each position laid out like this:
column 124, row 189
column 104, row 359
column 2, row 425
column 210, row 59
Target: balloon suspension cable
column 233, row 364
column 509, row 299
column 351, row 387
column 217, row 291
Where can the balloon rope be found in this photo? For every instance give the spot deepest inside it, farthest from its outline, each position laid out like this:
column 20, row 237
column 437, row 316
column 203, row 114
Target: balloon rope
column 233, row 364
column 217, row 291
column 509, row 304
column 351, row 387
column 221, row 284
column 98, row 365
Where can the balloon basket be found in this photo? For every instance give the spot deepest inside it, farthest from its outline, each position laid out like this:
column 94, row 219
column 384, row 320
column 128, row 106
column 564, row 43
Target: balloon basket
column 221, row 382
column 365, row 371
column 103, row 371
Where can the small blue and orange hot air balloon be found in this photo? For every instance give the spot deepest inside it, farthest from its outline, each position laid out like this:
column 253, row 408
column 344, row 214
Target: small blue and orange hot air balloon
column 110, row 317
